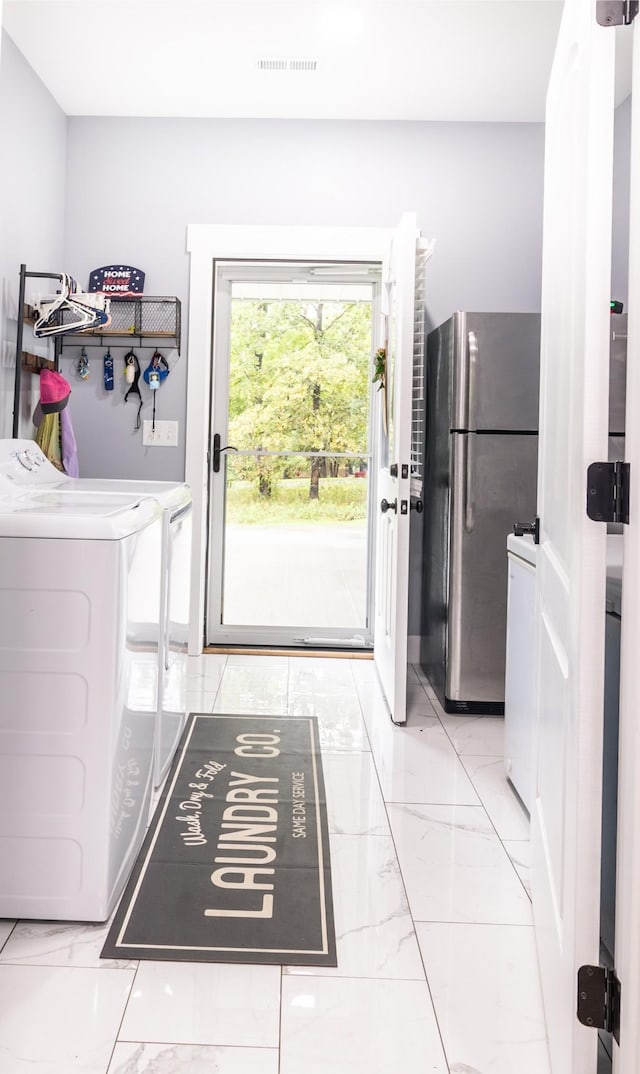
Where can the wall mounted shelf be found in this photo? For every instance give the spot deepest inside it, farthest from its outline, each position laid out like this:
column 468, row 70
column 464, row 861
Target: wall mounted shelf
column 146, row 319
column 141, row 321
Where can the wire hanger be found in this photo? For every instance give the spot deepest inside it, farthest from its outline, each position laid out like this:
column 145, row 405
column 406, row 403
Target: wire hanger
column 71, row 310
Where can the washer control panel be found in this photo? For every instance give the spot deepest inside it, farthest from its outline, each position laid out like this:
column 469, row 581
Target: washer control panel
column 23, row 465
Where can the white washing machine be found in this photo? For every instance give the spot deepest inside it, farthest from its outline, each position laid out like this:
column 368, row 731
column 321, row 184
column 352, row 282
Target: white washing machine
column 23, row 463
column 79, row 627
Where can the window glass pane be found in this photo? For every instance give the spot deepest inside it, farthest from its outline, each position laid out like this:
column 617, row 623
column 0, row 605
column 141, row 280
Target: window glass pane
column 299, row 374
column 296, row 541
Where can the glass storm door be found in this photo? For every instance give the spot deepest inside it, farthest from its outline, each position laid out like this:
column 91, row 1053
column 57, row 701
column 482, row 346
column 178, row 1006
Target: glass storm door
column 290, row 455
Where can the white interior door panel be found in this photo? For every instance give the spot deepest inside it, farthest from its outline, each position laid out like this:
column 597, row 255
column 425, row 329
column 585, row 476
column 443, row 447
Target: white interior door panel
column 570, row 585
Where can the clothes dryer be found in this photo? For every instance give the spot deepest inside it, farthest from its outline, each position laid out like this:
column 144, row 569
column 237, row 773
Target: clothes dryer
column 23, row 463
column 79, row 628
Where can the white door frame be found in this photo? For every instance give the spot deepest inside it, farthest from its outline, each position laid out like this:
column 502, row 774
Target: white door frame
column 626, row 1058
column 571, row 563
column 207, row 243
column 393, row 470
column 229, row 274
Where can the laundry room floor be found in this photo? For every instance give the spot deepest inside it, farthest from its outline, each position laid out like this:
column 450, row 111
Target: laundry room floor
column 436, row 971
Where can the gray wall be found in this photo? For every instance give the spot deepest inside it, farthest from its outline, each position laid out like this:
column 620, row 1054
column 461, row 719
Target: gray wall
column 33, row 132
column 134, row 185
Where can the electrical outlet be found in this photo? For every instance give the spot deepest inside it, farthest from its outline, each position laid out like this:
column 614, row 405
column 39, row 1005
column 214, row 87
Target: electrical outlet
column 165, row 434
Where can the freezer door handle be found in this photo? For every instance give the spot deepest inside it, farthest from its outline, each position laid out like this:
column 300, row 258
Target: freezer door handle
column 472, row 366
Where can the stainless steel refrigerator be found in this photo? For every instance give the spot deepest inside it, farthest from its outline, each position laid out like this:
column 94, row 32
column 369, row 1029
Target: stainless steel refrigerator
column 480, row 476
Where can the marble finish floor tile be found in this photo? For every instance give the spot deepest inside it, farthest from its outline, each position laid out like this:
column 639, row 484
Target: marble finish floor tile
column 455, row 867
column 200, row 700
column 419, row 764
column 253, row 689
column 6, row 928
column 505, row 809
column 475, row 734
column 240, row 660
column 205, row 672
column 355, row 805
column 364, row 673
column 419, row 705
column 422, row 677
column 484, row 983
column 63, row 1009
column 358, row 1027
column 374, row 930
column 58, row 943
column 519, row 850
column 204, row 1003
column 308, row 674
column 60, row 1020
column 340, row 722
column 191, row 1059
column 420, row 710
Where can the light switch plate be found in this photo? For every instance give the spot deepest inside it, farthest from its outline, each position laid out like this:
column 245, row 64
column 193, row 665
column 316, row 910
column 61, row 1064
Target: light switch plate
column 165, row 434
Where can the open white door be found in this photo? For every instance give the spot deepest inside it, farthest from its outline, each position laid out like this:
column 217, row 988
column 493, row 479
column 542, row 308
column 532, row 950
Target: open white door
column 626, row 1058
column 394, row 469
column 570, row 611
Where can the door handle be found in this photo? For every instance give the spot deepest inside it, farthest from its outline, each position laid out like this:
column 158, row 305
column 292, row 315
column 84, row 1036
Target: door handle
column 386, row 506
column 418, row 506
column 217, row 452
column 520, row 528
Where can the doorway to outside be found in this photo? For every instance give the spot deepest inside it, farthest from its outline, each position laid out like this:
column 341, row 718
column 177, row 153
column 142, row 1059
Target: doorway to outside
column 290, row 549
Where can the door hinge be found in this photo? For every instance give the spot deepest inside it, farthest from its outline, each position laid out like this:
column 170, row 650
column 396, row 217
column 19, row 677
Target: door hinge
column 599, row 999
column 608, row 491
column 616, row 12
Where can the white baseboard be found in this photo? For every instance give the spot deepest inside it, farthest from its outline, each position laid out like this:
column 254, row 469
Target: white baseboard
column 413, row 649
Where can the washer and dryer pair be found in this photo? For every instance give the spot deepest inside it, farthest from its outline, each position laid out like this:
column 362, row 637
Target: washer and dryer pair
column 94, row 614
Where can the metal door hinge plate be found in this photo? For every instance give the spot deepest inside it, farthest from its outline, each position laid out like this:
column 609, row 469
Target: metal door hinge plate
column 616, row 12
column 608, row 491
column 599, row 999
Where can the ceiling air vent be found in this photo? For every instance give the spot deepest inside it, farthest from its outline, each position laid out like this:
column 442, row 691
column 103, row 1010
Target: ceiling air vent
column 303, row 65
column 287, row 65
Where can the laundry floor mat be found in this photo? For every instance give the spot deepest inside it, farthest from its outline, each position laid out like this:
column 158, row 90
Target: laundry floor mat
column 235, row 865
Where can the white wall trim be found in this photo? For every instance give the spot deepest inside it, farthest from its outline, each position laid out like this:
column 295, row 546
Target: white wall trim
column 207, row 243
column 413, row 649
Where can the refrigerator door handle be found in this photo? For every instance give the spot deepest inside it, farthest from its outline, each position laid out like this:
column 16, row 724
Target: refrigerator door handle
column 472, row 366
column 469, row 504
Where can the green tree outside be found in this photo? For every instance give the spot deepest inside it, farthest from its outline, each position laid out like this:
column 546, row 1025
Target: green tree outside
column 299, row 381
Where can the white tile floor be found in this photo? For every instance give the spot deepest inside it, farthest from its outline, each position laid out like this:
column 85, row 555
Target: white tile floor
column 436, row 959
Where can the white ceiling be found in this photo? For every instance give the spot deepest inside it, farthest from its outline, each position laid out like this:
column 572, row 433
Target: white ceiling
column 376, row 59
